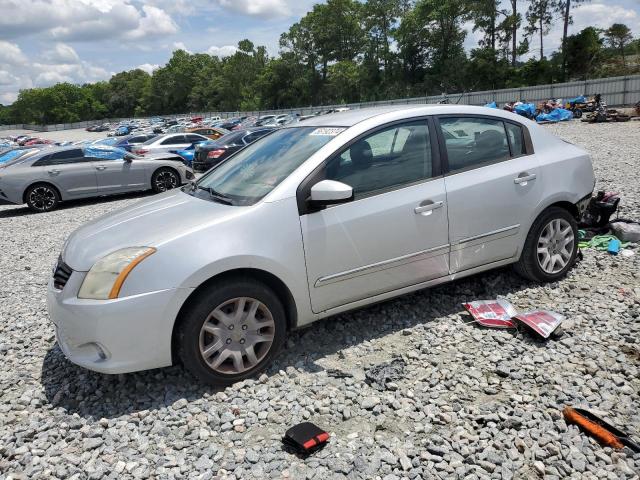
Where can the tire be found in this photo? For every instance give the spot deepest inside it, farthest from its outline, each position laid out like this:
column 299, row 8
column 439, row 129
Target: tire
column 533, row 263
column 165, row 179
column 577, row 113
column 42, row 197
column 216, row 347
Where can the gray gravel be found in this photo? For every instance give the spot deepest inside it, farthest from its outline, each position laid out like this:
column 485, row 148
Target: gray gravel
column 472, row 403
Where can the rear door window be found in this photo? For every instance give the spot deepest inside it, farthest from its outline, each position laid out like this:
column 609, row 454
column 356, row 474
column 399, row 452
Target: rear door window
column 472, row 142
column 516, row 139
column 61, row 158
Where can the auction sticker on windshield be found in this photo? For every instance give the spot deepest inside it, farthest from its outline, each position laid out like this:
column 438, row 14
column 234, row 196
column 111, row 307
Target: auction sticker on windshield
column 328, row 131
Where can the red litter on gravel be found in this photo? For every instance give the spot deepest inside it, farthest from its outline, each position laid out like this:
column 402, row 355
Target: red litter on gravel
column 543, row 322
column 492, row 313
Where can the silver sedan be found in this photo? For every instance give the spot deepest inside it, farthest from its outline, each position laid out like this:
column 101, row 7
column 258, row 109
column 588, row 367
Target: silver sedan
column 43, row 179
column 318, row 218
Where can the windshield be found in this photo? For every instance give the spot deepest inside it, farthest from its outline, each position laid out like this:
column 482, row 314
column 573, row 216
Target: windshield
column 254, row 171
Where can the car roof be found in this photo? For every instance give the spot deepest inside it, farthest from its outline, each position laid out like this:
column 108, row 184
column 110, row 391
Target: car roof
column 352, row 117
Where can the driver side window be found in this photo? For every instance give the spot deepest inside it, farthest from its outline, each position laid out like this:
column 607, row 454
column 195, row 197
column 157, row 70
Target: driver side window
column 387, row 159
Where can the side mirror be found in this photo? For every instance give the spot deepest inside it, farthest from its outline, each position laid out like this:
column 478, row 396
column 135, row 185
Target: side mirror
column 330, row 192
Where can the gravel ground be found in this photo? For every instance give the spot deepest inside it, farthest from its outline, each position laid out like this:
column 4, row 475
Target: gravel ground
column 471, row 402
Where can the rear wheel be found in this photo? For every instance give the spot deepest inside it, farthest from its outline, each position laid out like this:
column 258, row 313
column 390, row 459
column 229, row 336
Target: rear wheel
column 164, row 179
column 231, row 331
column 551, row 246
column 42, row 197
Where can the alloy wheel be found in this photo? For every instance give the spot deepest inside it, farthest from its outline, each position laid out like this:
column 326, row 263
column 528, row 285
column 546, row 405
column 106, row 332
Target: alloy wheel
column 42, row 198
column 555, row 246
column 236, row 335
column 166, row 180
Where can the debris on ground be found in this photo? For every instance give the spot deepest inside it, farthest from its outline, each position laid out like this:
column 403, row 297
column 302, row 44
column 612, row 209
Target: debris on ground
column 492, row 313
column 500, row 313
column 543, row 322
column 605, row 433
column 305, row 438
column 381, row 375
column 626, row 231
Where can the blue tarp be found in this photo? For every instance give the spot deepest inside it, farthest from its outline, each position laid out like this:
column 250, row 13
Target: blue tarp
column 580, row 99
column 557, row 115
column 10, row 155
column 491, row 105
column 526, row 110
column 110, row 141
column 106, row 153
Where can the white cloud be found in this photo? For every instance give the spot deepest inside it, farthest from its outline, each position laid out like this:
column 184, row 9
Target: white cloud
column 84, row 20
column 155, row 23
column 61, row 53
column 224, row 51
column 11, row 54
column 148, row 67
column 6, row 78
column 258, row 8
column 8, row 98
column 180, row 46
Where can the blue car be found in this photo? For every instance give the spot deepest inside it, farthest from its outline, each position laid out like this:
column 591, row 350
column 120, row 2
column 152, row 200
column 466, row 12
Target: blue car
column 188, row 153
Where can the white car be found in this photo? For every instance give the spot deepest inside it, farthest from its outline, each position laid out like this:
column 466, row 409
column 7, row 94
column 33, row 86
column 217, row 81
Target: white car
column 169, row 142
column 319, row 218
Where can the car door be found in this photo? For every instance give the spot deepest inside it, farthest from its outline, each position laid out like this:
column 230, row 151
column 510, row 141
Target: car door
column 394, row 233
column 492, row 184
column 70, row 171
column 115, row 174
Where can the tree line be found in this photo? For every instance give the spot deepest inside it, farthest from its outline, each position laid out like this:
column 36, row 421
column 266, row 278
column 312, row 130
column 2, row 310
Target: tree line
column 346, row 51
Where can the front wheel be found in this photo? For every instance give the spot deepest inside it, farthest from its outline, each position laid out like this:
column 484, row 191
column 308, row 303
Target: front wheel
column 231, row 331
column 551, row 246
column 164, row 179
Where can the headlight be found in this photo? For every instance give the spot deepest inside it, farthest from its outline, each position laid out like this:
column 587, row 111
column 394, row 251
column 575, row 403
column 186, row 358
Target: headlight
column 106, row 277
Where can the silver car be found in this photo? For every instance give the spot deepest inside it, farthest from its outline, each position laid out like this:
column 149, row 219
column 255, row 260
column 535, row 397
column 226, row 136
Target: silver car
column 43, row 179
column 169, row 142
column 319, row 218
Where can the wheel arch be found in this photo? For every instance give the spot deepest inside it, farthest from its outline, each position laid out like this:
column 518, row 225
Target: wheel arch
column 40, row 182
column 279, row 287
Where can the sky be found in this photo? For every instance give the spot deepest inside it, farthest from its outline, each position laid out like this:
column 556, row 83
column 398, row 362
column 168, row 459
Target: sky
column 43, row 42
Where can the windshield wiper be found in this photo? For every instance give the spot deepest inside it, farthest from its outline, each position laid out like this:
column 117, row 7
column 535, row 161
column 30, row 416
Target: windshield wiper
column 220, row 197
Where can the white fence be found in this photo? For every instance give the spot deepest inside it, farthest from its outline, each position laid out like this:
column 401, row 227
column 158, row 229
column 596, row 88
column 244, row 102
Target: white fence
column 616, row 91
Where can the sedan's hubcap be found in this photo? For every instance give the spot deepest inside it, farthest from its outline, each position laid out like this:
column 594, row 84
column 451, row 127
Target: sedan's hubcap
column 555, row 246
column 237, row 335
column 42, row 198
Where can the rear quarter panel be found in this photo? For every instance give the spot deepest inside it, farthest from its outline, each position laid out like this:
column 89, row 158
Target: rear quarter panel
column 566, row 171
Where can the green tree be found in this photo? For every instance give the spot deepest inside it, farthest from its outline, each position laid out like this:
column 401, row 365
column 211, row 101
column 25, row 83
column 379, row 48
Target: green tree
column 124, row 95
column 618, row 37
column 584, row 53
column 539, row 17
column 565, row 7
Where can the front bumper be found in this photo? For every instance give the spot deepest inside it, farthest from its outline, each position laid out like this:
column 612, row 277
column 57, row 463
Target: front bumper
column 115, row 336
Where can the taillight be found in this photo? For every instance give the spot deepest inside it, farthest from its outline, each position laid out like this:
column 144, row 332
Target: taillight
column 141, row 151
column 215, row 153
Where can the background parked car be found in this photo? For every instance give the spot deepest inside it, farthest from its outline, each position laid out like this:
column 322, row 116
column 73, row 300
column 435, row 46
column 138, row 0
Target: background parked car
column 211, row 153
column 169, row 142
column 131, row 141
column 66, row 173
column 213, row 133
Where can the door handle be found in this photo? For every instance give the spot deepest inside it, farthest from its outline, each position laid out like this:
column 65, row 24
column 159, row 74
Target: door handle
column 101, row 167
column 428, row 208
column 523, row 178
column 54, row 172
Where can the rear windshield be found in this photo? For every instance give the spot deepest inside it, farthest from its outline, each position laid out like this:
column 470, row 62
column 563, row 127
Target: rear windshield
column 257, row 169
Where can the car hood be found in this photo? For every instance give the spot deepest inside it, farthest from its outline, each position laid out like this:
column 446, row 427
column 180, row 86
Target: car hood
column 149, row 223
